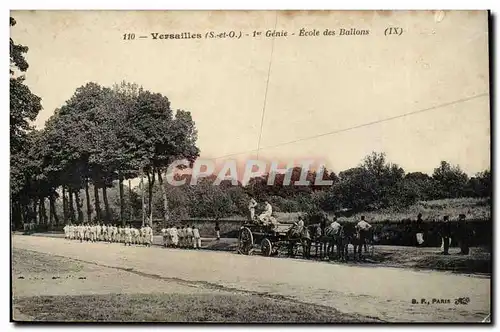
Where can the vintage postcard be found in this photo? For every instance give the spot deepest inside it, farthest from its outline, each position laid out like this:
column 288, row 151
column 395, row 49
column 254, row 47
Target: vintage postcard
column 250, row 166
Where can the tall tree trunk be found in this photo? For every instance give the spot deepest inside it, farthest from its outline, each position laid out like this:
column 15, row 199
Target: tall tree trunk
column 51, row 219
column 43, row 214
column 122, row 200
column 151, row 183
column 129, row 201
column 142, row 198
column 106, row 204
column 19, row 210
column 53, row 211
column 165, row 200
column 97, row 203
column 87, row 200
column 71, row 206
column 35, row 213
column 65, row 205
column 79, row 205
column 24, row 213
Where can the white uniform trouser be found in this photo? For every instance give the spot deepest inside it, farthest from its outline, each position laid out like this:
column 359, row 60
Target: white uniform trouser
column 196, row 242
column 252, row 213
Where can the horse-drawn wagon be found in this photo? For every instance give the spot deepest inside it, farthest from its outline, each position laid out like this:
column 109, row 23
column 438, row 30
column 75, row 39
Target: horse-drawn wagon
column 271, row 238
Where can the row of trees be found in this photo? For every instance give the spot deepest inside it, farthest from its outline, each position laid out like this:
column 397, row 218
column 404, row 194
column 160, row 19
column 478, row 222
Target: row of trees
column 99, row 136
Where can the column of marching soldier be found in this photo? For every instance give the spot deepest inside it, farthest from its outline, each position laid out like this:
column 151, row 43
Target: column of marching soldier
column 174, row 236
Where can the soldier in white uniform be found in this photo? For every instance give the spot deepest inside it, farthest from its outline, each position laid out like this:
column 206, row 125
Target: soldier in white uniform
column 175, row 236
column 196, row 238
column 128, row 235
column 81, row 233
column 164, row 235
column 118, row 234
column 111, row 233
column 142, row 235
column 92, row 233
column 66, row 231
column 181, row 235
column 98, row 229
column 148, row 232
column 115, row 233
column 188, row 234
column 89, row 232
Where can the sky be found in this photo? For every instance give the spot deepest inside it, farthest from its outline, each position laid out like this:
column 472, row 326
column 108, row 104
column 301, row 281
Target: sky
column 297, row 89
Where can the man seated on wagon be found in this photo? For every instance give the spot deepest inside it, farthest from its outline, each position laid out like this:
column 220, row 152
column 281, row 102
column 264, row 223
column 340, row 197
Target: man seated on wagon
column 266, row 217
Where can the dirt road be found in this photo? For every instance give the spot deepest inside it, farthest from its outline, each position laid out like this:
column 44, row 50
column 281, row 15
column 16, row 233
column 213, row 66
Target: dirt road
column 384, row 293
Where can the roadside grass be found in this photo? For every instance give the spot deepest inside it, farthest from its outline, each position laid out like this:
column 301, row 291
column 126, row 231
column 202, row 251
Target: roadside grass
column 478, row 261
column 177, row 308
column 473, row 208
column 26, row 261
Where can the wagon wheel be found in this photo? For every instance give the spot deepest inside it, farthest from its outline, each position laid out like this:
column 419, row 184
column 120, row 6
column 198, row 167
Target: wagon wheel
column 266, row 247
column 245, row 241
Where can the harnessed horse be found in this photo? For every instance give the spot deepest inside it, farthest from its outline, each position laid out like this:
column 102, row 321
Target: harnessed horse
column 299, row 234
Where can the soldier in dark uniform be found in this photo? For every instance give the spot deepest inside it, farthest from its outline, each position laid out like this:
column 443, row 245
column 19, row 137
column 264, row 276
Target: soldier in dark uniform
column 446, row 234
column 217, row 230
column 419, row 230
column 463, row 235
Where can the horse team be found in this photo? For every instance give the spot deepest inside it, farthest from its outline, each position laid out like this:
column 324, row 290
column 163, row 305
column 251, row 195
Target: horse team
column 327, row 238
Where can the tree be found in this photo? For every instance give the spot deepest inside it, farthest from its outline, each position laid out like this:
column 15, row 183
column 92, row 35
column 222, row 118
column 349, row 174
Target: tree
column 158, row 138
column 450, row 180
column 210, row 201
column 479, row 185
column 24, row 107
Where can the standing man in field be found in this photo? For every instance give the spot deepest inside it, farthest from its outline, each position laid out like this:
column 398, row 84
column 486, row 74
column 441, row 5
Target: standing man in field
column 363, row 229
column 217, row 230
column 98, row 230
column 133, row 233
column 174, row 236
column 127, row 235
column 251, row 207
column 148, row 236
column 66, row 232
column 446, row 234
column 333, row 232
column 196, row 238
column 164, row 235
column 81, row 232
column 116, row 234
column 419, row 230
column 189, row 236
column 463, row 235
column 93, row 233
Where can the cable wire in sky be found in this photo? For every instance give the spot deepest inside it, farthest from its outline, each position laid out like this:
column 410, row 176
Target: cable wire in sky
column 443, row 105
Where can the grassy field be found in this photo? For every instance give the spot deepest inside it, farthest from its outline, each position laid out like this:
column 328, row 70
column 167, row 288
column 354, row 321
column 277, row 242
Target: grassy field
column 38, row 296
column 473, row 208
column 176, row 308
